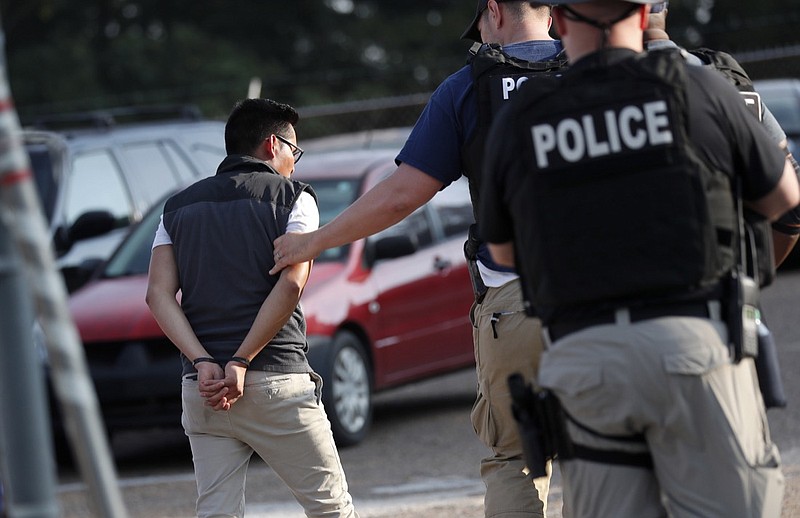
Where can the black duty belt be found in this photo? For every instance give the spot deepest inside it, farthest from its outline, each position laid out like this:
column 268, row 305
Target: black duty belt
column 559, row 329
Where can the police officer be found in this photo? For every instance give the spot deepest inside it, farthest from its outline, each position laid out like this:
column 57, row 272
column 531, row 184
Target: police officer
column 614, row 191
column 786, row 229
column 445, row 144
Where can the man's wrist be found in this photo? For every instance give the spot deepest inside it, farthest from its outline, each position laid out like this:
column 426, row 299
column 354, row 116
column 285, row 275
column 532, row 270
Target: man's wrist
column 201, row 359
column 241, row 361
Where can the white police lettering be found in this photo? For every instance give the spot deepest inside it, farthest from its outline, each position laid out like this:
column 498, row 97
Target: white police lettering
column 632, row 127
column 509, row 85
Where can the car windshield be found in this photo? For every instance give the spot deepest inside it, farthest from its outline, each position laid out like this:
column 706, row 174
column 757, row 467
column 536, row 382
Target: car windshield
column 133, row 256
column 334, row 196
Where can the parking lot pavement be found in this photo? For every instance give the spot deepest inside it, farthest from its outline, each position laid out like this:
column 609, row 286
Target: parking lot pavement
column 429, row 505
column 463, row 507
column 471, row 506
column 466, row 503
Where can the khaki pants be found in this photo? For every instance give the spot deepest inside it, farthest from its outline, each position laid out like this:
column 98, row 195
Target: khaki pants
column 280, row 417
column 506, row 341
column 702, row 417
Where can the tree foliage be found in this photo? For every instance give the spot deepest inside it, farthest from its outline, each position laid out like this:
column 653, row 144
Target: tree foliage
column 93, row 53
column 79, row 54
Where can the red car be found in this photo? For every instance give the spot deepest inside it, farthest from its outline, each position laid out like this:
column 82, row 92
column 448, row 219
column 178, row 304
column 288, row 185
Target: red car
column 381, row 312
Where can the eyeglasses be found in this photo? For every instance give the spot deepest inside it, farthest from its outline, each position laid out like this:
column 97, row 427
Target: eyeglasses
column 297, row 151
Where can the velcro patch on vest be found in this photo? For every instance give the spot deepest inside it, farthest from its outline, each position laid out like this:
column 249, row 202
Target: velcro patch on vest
column 624, row 129
column 752, row 100
column 504, row 87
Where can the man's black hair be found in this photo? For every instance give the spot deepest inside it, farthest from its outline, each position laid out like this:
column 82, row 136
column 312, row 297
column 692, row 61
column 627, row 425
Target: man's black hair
column 253, row 120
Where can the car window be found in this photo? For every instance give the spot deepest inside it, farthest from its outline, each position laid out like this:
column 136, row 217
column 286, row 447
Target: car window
column 208, row 156
column 207, row 147
column 180, row 165
column 415, row 225
column 454, row 208
column 153, row 172
column 133, row 256
column 333, row 196
column 96, row 183
column 43, row 167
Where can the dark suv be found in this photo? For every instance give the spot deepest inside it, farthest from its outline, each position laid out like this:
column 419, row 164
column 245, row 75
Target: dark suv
column 98, row 172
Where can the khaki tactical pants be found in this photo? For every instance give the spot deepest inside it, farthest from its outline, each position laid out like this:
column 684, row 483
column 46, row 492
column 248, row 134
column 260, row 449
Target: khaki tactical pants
column 506, row 341
column 281, row 418
column 702, row 417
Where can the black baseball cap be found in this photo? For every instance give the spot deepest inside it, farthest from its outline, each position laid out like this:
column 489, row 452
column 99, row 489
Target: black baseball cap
column 472, row 32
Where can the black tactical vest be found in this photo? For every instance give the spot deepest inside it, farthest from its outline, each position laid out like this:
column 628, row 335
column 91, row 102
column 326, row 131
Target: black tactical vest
column 497, row 78
column 726, row 65
column 619, row 206
column 759, row 257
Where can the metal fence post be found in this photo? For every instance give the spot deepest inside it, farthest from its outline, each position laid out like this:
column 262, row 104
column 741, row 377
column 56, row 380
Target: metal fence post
column 28, row 467
column 23, row 222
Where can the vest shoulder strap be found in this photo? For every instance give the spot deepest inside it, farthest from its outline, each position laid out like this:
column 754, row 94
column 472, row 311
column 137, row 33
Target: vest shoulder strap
column 491, row 55
column 727, row 65
column 495, row 75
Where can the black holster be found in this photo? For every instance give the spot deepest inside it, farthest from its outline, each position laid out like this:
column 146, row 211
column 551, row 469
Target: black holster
column 750, row 338
column 742, row 315
column 471, row 253
column 768, row 370
column 541, row 425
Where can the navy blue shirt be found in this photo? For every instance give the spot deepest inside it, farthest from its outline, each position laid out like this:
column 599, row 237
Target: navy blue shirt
column 449, row 118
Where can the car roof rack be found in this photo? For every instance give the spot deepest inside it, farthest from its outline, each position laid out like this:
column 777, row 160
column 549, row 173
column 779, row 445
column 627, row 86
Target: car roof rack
column 109, row 117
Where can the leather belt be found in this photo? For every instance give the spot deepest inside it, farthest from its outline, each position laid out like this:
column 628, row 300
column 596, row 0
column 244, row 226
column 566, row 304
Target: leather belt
column 707, row 309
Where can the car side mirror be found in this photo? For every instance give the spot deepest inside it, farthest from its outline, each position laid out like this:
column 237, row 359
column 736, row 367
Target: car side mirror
column 389, row 247
column 91, row 224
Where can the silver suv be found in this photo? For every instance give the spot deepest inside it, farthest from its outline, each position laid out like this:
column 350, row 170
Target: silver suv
column 101, row 175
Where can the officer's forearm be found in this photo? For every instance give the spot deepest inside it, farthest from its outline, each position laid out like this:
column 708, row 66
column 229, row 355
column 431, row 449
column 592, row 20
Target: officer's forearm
column 785, row 196
column 782, row 245
column 388, row 202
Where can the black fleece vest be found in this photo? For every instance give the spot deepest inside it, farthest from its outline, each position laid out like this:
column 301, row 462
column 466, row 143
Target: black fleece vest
column 222, row 229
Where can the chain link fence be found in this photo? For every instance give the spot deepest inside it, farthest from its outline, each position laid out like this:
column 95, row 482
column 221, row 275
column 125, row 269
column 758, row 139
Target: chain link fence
column 355, row 116
column 771, row 63
column 391, row 111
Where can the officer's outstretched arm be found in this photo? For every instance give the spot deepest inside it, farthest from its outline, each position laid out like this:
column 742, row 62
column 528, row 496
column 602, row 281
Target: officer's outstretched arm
column 391, row 200
column 785, row 196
